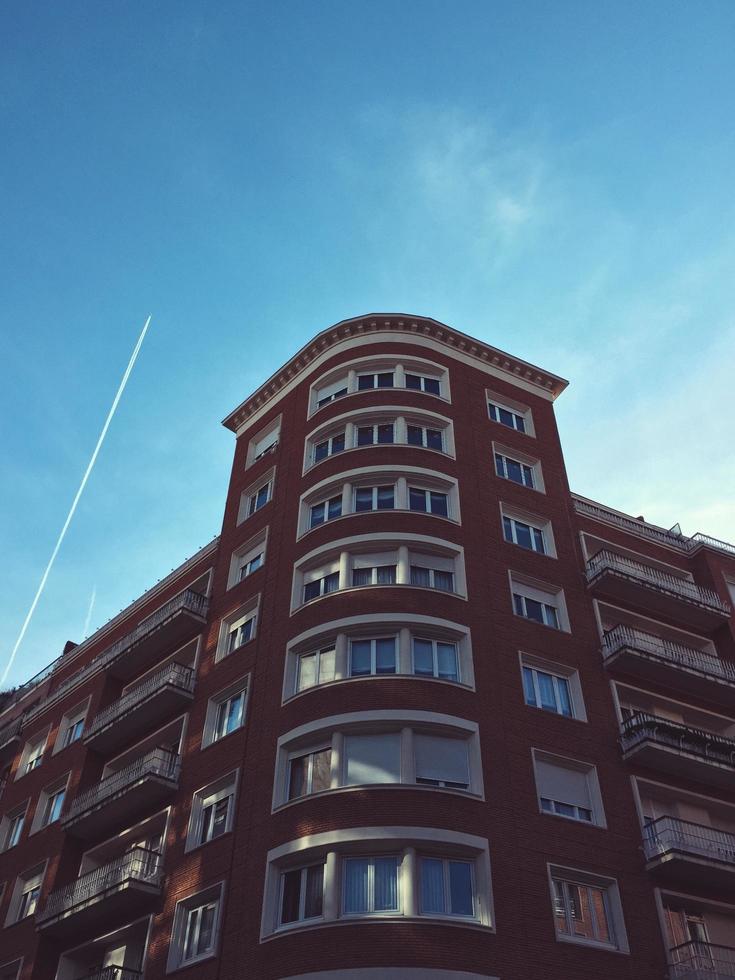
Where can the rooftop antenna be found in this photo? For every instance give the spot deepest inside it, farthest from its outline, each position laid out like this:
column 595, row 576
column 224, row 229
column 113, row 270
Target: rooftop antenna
column 82, row 485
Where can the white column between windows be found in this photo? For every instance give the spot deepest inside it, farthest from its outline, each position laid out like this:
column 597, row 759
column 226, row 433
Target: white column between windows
column 399, row 376
column 401, row 434
column 347, row 498
column 330, row 899
column 351, row 380
column 341, row 667
column 402, row 493
column 408, row 765
column 344, row 570
column 409, row 877
column 335, row 769
column 403, row 573
column 350, row 435
column 404, row 651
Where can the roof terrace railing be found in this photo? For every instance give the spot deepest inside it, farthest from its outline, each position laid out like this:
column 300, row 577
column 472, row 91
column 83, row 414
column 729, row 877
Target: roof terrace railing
column 671, row 834
column 641, row 727
column 626, row 637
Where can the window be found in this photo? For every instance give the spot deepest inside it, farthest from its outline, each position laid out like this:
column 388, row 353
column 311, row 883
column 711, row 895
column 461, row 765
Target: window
column 329, row 447
column 441, row 761
column 568, row 788
column 225, row 713
column 512, row 469
column 432, row 578
column 50, row 805
column 10, row 971
column 11, row 827
column 240, row 631
column 212, row 812
column 25, row 895
column 301, row 894
column 379, row 575
column 321, row 586
column 71, row 728
column 331, row 392
column 548, row 691
column 419, row 382
column 586, row 909
column 435, row 658
column 419, row 435
column 370, row 885
column 374, row 656
column 265, row 442
column 196, row 927
column 378, row 434
column 428, row 501
column 383, row 379
column 260, row 498
column 32, row 756
column 372, row 759
column 524, row 535
column 375, row 498
column 325, row 510
column 504, row 415
column 309, row 772
column 540, row 612
column 447, row 887
column 315, row 667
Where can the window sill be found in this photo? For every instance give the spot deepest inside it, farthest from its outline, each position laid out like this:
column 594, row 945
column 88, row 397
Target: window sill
column 377, row 677
column 556, row 714
column 194, row 961
column 384, row 919
column 388, row 510
column 573, row 820
column 592, row 944
column 190, row 848
column 561, row 630
column 508, row 428
column 219, row 741
column 233, row 653
column 400, row 787
column 249, row 517
column 395, row 585
column 377, row 445
column 521, row 486
column 365, row 391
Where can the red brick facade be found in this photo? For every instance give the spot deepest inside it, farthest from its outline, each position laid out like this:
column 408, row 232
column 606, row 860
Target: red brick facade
column 632, row 915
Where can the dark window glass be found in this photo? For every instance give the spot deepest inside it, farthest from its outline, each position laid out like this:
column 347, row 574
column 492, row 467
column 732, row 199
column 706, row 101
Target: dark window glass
column 385, row 380
column 420, row 576
column 321, row 451
column 433, row 439
column 338, row 443
column 499, row 468
column 415, row 436
column 385, row 433
column 364, row 498
column 365, row 435
column 312, row 590
column 385, row 656
column 365, row 381
column 439, row 504
column 423, row 658
column 385, row 498
column 360, row 658
column 416, row 499
column 444, row 581
column 523, row 535
column 317, row 515
column 386, row 574
column 413, row 381
column 290, row 900
column 514, row 471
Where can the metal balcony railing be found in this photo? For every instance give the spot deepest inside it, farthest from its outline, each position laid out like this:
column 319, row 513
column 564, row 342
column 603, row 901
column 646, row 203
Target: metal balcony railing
column 710, row 747
column 139, row 864
column 11, row 730
column 671, row 834
column 174, row 674
column 625, row 637
column 158, row 762
column 670, row 538
column 683, row 588
column 188, row 600
column 695, row 961
column 112, row 973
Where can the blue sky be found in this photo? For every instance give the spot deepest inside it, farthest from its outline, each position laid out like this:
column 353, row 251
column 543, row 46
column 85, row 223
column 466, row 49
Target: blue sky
column 555, row 179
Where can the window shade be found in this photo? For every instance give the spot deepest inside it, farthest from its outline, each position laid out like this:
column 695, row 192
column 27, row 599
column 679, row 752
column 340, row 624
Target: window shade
column 263, row 444
column 373, row 759
column 565, row 785
column 441, row 759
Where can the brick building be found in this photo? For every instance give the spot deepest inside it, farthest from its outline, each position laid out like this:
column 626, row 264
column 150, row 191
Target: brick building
column 418, row 713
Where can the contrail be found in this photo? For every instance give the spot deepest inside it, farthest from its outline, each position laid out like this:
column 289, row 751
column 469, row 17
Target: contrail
column 87, row 621
column 82, row 485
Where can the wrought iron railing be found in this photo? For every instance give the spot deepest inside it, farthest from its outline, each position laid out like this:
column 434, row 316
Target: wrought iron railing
column 683, row 588
column 174, row 674
column 671, row 834
column 641, row 727
column 641, row 528
column 112, row 973
column 158, row 762
column 188, row 600
column 696, row 960
column 625, row 637
column 139, row 864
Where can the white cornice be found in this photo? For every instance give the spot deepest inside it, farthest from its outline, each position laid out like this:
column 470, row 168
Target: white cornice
column 516, row 370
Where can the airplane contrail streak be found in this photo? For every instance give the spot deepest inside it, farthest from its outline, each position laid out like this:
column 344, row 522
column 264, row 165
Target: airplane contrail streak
column 70, row 515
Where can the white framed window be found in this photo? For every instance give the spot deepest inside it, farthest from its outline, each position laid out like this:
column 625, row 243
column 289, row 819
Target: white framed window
column 315, row 667
column 432, row 578
column 546, row 687
column 526, row 536
column 568, row 788
column 374, row 498
column 428, row 501
column 196, row 928
column 435, row 658
column 376, row 434
column 309, row 772
column 587, row 909
column 265, row 442
column 238, row 628
column 212, row 811
column 422, row 382
column 11, row 826
column 510, row 413
column 325, row 510
column 425, row 436
column 50, row 804
column 301, row 896
column 32, row 755
column 514, row 470
column 26, row 892
column 538, row 603
column 226, row 712
column 331, row 392
column 378, row 379
column 371, row 373
column 374, row 575
column 71, row 727
column 370, row 885
column 256, row 496
column 441, row 761
column 248, row 558
column 259, row 498
column 447, row 887
column 328, row 446
column 374, row 655
column 322, row 585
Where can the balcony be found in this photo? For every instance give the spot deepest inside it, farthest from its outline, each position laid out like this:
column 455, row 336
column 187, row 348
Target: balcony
column 109, row 894
column 124, row 796
column 10, row 737
column 682, row 667
column 669, row 746
column 678, row 851
column 165, row 629
column 152, row 701
column 112, row 973
column 632, row 582
column 701, row 961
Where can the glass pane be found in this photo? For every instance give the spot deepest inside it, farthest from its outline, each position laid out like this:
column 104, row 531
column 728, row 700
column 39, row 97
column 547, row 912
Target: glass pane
column 331, row 582
column 552, row 618
column 360, row 658
column 564, row 809
column 297, row 776
column 321, row 770
column 335, row 507
column 432, row 386
column 443, row 581
column 434, row 439
column 385, row 380
column 513, row 469
column 385, row 433
column 546, row 691
column 420, row 576
column 206, row 930
column 413, row 381
column 312, row 590
column 364, row 498
column 499, row 464
column 439, row 504
column 528, row 689
column 385, row 498
column 546, row 805
column 423, row 658
column 565, row 701
column 338, row 443
column 446, row 654
column 506, row 417
column 507, row 529
column 219, row 821
column 538, row 541
column 362, row 576
column 534, row 610
column 493, row 411
column 597, row 904
column 291, row 890
column 582, row 914
column 314, row 890
column 415, row 435
column 386, row 884
column 385, row 656
column 416, row 499
column 460, row 888
column 365, row 435
column 523, row 535
column 326, row 666
column 560, row 908
column 356, row 885
column 365, row 381
column 528, row 476
column 432, row 885
column 317, row 515
column 386, row 574
column 518, row 604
